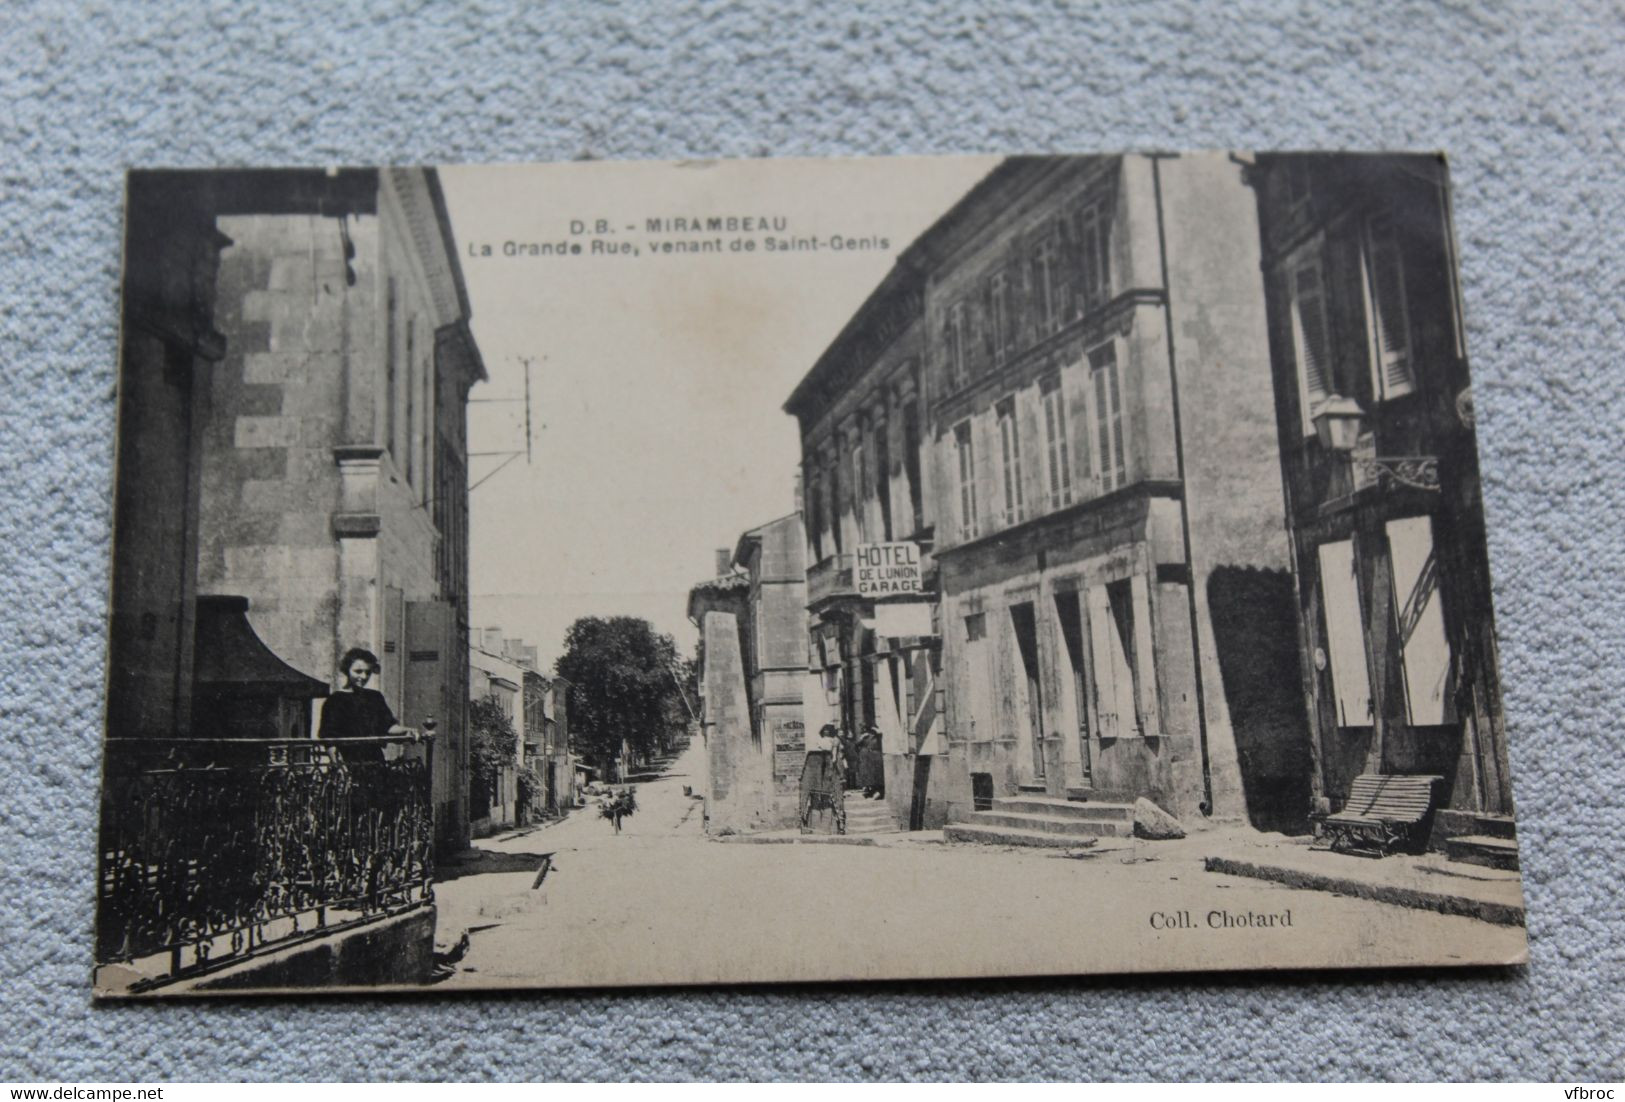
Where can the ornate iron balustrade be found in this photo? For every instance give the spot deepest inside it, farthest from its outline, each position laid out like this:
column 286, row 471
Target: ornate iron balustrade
column 212, row 850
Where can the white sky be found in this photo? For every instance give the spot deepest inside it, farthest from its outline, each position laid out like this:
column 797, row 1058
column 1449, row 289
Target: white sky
column 659, row 379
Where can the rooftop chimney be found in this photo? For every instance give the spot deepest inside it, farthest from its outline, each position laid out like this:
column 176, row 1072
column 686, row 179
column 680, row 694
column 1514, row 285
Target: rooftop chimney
column 725, row 561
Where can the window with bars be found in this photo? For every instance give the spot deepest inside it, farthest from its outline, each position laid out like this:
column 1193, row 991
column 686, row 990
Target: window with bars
column 1392, row 371
column 1057, row 446
column 1311, row 344
column 965, row 453
column 1108, row 416
column 1010, row 461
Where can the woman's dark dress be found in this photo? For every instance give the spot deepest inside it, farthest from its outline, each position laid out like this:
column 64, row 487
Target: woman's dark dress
column 871, row 765
column 359, row 713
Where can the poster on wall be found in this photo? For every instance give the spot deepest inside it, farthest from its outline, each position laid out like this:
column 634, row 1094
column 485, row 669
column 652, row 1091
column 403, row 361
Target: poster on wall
column 501, row 554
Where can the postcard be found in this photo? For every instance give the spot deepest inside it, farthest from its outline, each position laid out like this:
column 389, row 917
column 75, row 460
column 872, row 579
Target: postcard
column 605, row 574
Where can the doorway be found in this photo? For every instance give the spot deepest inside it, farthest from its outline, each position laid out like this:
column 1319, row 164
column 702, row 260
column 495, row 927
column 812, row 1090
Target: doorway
column 1026, row 628
column 1069, row 611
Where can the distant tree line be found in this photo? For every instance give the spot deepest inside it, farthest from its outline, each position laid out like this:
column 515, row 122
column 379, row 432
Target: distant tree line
column 627, row 686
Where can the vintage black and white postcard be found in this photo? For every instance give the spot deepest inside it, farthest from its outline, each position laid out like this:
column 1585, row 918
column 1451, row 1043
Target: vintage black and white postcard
column 721, row 572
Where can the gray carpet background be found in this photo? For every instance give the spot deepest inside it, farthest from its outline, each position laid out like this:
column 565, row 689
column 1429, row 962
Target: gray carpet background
column 1528, row 99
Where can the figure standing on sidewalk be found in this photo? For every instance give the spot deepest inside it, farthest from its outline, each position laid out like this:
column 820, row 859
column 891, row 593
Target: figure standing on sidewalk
column 871, row 764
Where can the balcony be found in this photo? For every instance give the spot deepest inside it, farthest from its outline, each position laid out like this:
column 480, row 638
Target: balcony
column 833, row 577
column 214, row 851
column 830, row 580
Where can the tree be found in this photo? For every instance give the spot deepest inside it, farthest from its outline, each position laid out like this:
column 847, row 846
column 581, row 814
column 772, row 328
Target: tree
column 622, row 686
column 491, row 739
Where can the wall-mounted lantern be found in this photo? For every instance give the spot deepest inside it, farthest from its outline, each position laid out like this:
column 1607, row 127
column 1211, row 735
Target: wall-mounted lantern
column 1337, row 423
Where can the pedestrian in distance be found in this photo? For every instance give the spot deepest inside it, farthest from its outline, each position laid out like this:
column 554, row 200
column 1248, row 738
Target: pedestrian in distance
column 871, row 764
column 356, row 712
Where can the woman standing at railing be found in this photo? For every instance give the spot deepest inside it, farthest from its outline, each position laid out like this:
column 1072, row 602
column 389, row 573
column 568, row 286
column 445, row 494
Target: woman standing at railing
column 354, row 711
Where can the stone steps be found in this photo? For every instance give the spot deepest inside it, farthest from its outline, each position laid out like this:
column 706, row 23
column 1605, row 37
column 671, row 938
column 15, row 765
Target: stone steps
column 1061, row 809
column 1034, row 820
column 1452, row 823
column 869, row 817
column 1049, row 824
column 1483, row 849
column 1011, row 836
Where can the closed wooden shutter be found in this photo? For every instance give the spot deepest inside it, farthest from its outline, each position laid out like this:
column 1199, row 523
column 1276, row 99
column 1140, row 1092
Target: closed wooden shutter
column 1419, row 620
column 1310, row 339
column 1390, row 322
column 1114, row 676
column 1145, row 665
column 1345, row 634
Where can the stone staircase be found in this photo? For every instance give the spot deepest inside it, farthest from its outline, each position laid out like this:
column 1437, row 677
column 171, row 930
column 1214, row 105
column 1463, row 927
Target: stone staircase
column 868, row 816
column 1488, row 840
column 1031, row 819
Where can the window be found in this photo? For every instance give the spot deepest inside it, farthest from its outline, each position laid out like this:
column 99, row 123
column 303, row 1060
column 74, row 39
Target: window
column 1391, row 367
column 1419, row 622
column 1057, row 448
column 999, row 316
column 911, row 463
column 1345, row 635
column 1108, row 417
column 815, row 520
column 966, row 453
column 835, row 503
column 1047, row 302
column 883, row 479
column 1010, row 461
column 953, row 339
column 858, row 484
column 1310, row 340
column 1094, row 274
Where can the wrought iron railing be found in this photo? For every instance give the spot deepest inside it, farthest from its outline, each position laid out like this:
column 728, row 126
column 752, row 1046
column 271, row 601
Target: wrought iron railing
column 214, row 850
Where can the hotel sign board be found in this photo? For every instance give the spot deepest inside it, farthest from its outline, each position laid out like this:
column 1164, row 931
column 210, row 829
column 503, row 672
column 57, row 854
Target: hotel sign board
column 887, row 569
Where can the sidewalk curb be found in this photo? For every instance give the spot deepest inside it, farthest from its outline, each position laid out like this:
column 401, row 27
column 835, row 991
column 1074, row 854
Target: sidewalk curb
column 810, row 840
column 1502, row 914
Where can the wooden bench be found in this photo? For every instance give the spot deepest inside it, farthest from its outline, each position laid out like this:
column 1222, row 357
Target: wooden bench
column 1383, row 813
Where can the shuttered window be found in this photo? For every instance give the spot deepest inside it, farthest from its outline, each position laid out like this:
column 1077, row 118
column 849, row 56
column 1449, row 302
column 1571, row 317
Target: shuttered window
column 1057, row 448
column 858, row 485
column 1120, row 643
column 954, row 340
column 1010, row 462
column 1419, row 620
column 1393, row 372
column 1311, row 343
column 1345, row 634
column 1108, row 417
column 1094, row 276
column 965, row 453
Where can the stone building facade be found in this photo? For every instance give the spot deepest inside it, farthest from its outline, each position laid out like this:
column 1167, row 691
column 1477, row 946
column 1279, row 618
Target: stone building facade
column 1103, row 453
column 870, row 509
column 1099, row 492
column 333, row 491
column 1380, row 467
column 753, row 663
